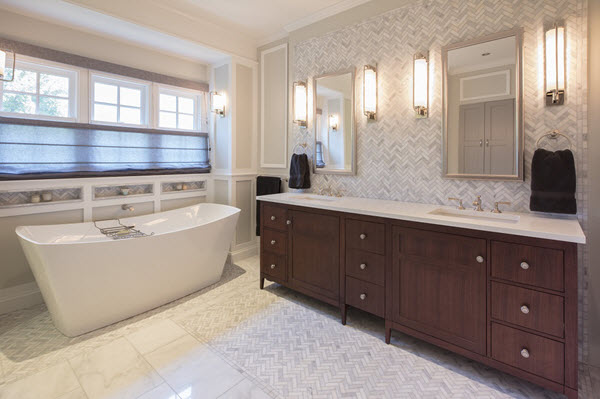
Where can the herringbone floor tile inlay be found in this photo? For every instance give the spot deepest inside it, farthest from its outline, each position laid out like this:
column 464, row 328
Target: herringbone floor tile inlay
column 284, row 343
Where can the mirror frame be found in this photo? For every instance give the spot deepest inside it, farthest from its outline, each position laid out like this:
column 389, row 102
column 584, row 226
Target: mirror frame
column 518, row 34
column 320, row 171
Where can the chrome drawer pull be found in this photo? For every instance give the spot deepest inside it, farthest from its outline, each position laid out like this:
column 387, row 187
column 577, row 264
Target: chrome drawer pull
column 524, row 265
column 288, row 222
column 479, row 259
column 525, row 309
column 525, row 353
column 363, row 297
column 273, row 218
column 272, row 242
column 363, row 236
column 363, row 266
column 273, row 266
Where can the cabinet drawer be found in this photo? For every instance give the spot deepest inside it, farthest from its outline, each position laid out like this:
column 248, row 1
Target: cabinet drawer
column 274, row 217
column 366, row 296
column 274, row 242
column 543, row 356
column 273, row 265
column 528, row 308
column 366, row 236
column 365, row 266
column 440, row 248
column 540, row 267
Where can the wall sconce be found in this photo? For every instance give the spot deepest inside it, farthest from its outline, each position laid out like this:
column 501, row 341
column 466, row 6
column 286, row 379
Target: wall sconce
column 300, row 103
column 218, row 103
column 333, row 122
column 555, row 65
column 3, row 66
column 370, row 92
column 420, row 85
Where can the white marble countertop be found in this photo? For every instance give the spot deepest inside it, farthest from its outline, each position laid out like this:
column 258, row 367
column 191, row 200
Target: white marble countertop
column 552, row 227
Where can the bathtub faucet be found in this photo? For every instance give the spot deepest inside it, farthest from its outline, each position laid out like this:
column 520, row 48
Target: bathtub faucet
column 127, row 207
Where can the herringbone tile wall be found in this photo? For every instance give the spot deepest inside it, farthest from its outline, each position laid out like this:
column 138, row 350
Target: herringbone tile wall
column 399, row 157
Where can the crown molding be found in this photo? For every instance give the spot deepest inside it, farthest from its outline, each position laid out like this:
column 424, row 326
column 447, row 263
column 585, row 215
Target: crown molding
column 324, row 13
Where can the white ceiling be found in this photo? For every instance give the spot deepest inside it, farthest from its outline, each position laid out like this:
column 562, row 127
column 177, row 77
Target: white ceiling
column 204, row 30
column 467, row 59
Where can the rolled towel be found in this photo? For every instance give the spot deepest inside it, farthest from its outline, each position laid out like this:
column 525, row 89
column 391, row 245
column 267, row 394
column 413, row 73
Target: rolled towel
column 553, row 182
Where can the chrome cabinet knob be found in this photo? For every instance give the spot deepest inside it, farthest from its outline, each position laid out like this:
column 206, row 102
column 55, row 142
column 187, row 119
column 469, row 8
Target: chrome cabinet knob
column 363, row 297
column 524, row 265
column 272, row 242
column 273, row 266
column 273, row 218
column 363, row 266
column 525, row 353
column 288, row 222
column 363, row 236
column 525, row 309
column 479, row 259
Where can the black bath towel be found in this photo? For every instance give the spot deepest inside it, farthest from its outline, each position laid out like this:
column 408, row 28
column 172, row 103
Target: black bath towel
column 553, row 182
column 299, row 171
column 265, row 185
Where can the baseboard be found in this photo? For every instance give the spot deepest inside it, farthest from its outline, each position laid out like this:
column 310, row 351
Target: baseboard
column 242, row 253
column 19, row 297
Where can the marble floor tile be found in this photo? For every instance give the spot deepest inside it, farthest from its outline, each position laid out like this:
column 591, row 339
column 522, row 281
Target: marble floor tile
column 193, row 370
column 76, row 394
column 48, row 384
column 115, row 371
column 157, row 334
column 163, row 391
column 245, row 390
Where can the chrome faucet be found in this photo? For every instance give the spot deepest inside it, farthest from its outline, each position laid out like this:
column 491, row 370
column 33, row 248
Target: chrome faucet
column 477, row 204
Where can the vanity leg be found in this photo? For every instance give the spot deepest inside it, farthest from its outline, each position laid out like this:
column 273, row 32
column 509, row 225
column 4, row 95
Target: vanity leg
column 388, row 332
column 262, row 282
column 344, row 310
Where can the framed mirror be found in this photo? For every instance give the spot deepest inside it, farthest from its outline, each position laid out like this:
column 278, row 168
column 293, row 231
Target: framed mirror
column 483, row 107
column 335, row 131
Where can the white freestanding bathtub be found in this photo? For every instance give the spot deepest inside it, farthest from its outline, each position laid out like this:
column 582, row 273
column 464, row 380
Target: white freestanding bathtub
column 89, row 280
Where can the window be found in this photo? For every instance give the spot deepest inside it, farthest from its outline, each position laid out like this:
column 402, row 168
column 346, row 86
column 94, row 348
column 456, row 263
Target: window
column 117, row 101
column 179, row 110
column 40, row 90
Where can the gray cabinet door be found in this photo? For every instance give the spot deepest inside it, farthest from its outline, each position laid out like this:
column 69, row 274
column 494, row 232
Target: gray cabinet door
column 471, row 136
column 487, row 138
column 500, row 137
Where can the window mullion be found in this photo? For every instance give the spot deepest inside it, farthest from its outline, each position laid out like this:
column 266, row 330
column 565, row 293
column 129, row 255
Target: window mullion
column 37, row 93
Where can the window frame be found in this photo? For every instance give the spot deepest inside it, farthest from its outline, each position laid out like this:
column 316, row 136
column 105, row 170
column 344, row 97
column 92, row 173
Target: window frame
column 121, row 81
column 196, row 95
column 41, row 66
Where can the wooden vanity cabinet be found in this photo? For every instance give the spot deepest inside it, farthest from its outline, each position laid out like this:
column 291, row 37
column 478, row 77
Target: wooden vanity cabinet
column 507, row 301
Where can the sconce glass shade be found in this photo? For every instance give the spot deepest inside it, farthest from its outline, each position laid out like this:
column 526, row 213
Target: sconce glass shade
column 370, row 91
column 555, row 65
column 3, row 68
column 420, row 86
column 218, row 103
column 333, row 122
column 300, row 103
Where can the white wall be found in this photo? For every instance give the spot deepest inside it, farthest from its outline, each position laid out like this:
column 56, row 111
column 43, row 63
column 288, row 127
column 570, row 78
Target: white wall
column 594, row 168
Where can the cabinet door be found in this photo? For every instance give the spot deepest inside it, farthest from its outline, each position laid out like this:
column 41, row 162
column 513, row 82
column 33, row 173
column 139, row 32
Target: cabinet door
column 439, row 286
column 315, row 253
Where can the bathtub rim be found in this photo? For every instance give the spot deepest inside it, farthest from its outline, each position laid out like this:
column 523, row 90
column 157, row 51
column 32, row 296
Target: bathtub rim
column 233, row 211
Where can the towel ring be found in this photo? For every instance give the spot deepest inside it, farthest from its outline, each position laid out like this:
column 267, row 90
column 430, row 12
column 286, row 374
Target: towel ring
column 553, row 135
column 304, row 147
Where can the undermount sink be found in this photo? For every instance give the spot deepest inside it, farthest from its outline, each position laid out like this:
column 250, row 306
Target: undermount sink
column 475, row 215
column 309, row 198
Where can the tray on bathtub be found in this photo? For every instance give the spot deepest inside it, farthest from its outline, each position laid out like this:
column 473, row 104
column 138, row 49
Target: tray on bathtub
column 121, row 231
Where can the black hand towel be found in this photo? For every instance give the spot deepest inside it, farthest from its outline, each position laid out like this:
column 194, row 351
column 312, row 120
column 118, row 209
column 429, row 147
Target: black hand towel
column 299, row 172
column 553, row 182
column 265, row 185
